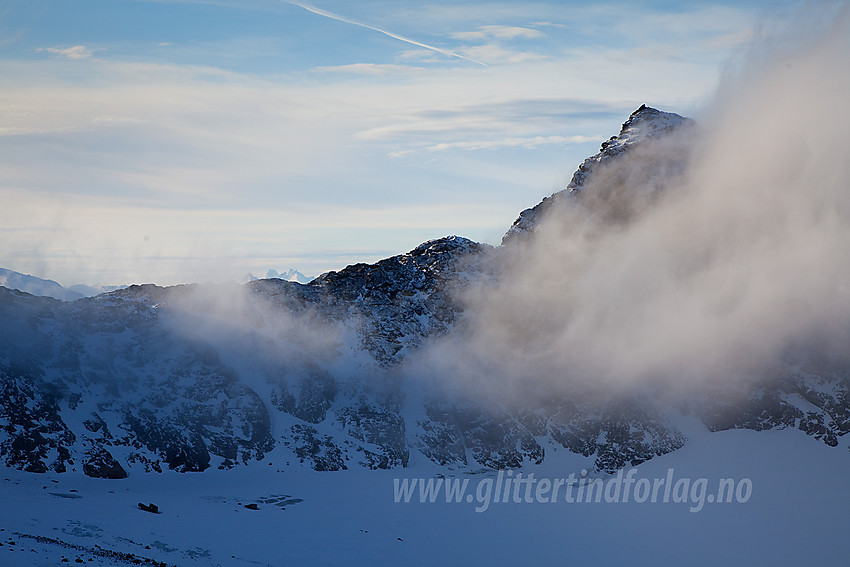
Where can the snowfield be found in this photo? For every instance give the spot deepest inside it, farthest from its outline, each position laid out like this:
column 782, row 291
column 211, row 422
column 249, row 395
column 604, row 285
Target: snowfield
column 795, row 515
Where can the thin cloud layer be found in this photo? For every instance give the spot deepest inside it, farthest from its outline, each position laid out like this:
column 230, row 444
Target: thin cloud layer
column 499, row 32
column 494, row 144
column 263, row 112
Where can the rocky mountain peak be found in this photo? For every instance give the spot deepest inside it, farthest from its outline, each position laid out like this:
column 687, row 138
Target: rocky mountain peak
column 645, row 123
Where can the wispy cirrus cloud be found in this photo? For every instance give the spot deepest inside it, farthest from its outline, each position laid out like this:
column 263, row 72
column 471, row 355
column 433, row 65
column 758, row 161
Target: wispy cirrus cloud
column 494, row 44
column 73, row 52
column 418, row 56
column 367, row 69
column 523, row 120
column 492, row 53
column 499, row 32
column 547, row 24
column 527, row 142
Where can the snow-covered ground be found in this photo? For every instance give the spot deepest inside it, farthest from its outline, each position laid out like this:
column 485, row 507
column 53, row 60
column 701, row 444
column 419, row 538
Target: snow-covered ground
column 796, row 515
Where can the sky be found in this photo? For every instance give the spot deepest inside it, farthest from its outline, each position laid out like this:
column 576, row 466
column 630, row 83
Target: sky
column 190, row 141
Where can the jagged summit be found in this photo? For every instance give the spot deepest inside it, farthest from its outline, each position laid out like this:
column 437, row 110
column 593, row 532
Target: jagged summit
column 432, row 250
column 399, row 300
column 644, row 124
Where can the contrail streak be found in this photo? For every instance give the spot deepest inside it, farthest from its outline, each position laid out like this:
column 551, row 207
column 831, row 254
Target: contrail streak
column 331, row 15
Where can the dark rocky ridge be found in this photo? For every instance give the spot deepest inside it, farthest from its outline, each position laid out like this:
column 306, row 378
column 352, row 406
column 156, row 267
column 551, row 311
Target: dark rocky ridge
column 395, row 302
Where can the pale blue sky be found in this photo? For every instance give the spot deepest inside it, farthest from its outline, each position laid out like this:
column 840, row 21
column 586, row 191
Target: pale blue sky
column 168, row 142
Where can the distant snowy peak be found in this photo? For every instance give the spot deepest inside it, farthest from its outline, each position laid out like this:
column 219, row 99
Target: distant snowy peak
column 36, row 286
column 290, row 275
column 644, row 124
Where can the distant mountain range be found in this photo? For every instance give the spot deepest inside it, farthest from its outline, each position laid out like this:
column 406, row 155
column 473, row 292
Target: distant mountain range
column 44, row 288
column 49, row 288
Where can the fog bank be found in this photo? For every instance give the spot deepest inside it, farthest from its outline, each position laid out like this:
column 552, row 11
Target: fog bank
column 711, row 254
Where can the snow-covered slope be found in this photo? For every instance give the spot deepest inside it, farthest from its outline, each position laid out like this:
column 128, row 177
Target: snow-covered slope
column 795, row 515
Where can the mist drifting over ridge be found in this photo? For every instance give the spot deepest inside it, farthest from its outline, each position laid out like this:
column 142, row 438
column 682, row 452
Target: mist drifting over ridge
column 715, row 253
column 707, row 253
